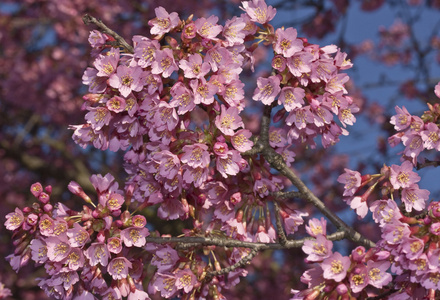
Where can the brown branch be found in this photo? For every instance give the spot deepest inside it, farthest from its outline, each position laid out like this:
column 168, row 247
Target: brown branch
column 280, row 230
column 277, row 162
column 87, row 19
column 287, row 195
column 194, row 241
column 241, row 263
column 427, row 163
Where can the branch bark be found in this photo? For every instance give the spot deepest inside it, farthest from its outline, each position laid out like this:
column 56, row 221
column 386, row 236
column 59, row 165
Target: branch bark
column 87, row 19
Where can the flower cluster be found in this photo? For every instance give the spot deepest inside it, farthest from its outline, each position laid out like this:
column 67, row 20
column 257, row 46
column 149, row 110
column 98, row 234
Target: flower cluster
column 338, row 276
column 417, row 133
column 77, row 249
column 307, row 82
column 174, row 105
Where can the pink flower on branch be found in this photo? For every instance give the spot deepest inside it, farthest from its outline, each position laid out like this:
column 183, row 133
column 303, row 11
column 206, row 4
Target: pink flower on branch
column 164, row 22
column 258, row 11
column 128, row 79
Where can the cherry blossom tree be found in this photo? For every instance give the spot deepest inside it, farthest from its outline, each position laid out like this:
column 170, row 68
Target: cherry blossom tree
column 177, row 103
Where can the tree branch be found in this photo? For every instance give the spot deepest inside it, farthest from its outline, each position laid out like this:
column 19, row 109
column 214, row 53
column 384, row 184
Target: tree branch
column 87, row 19
column 277, row 162
column 241, row 263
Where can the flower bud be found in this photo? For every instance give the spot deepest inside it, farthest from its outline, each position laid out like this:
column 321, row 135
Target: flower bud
column 48, row 207
column 36, row 189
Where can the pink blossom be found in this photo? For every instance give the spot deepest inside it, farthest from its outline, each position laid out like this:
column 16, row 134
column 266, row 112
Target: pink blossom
column 414, row 145
column 291, row 98
column 402, row 120
column 39, row 251
column 403, row 176
column 293, row 220
column 144, row 50
column 277, row 137
column 267, row 90
column 46, row 225
column 165, row 117
column 377, row 273
column 360, row 205
column 279, row 63
column 228, row 163
column 66, row 279
column 118, row 267
column 185, row 279
column 233, row 93
column 240, row 140
column 128, row 79
column 437, row 90
column 14, row 220
column 97, row 39
column 208, row 28
column 300, row 63
column 358, row 278
column 182, row 98
column 228, row 120
column 394, row 232
column 57, row 249
column 233, row 31
column 203, row 91
column 431, row 136
column 114, row 245
column 412, row 247
column 218, row 56
column 195, row 155
column 335, row 267
column 286, row 42
column 352, row 181
column 258, row 11
column 165, row 258
column 97, row 253
column 165, row 284
column 336, row 83
column 115, row 201
column 116, row 104
column 164, row 63
column 413, row 197
column 96, row 84
column 322, row 70
column 75, row 259
column 317, row 249
column 78, row 236
column 194, row 67
column 164, row 22
column 317, row 227
column 36, row 189
column 385, row 211
column 98, row 117
column 134, row 236
column 108, row 63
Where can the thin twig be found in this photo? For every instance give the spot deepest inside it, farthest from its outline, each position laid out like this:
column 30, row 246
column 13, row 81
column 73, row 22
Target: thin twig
column 287, row 195
column 241, row 263
column 276, row 161
column 87, row 19
column 280, row 230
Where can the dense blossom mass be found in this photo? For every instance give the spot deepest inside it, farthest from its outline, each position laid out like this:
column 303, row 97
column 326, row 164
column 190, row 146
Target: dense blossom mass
column 175, row 104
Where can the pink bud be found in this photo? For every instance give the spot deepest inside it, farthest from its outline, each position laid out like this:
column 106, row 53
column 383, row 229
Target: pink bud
column 44, row 198
column 48, row 189
column 36, row 189
column 48, row 207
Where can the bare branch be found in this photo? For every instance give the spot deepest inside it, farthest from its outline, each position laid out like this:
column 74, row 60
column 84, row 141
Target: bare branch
column 277, row 162
column 280, row 230
column 87, row 19
column 241, row 263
